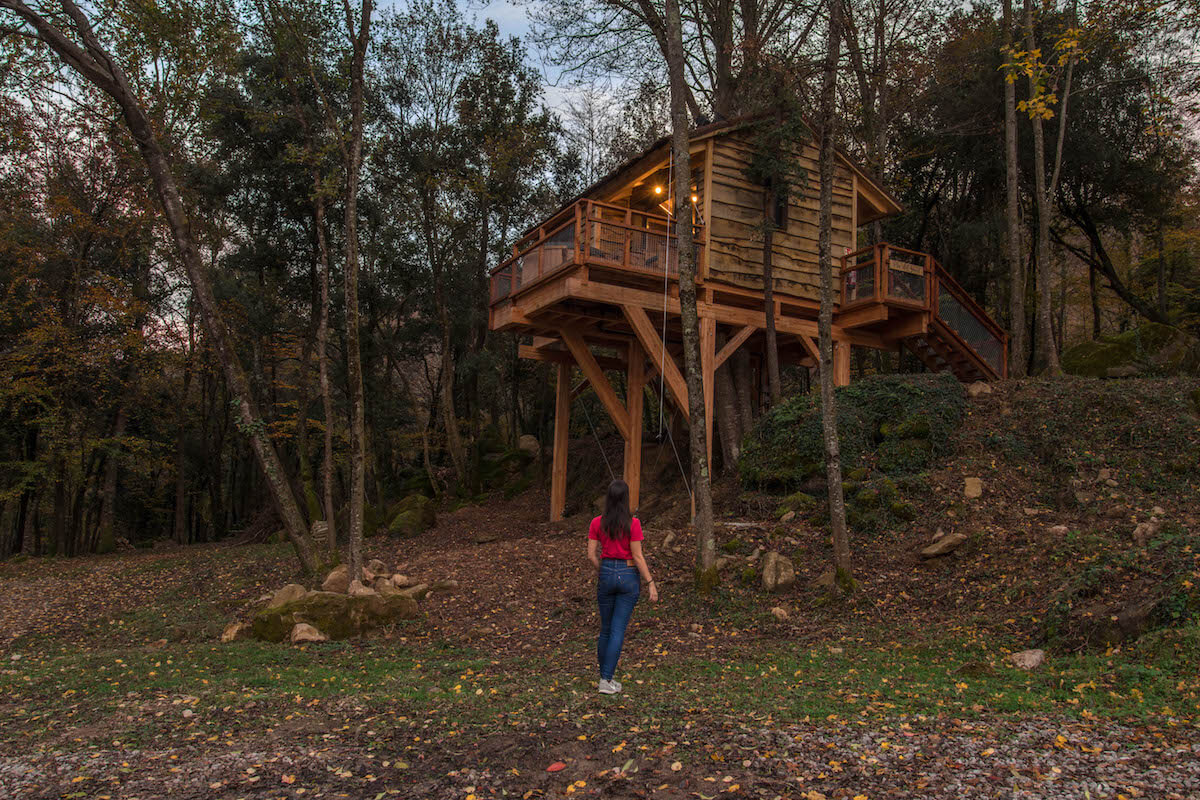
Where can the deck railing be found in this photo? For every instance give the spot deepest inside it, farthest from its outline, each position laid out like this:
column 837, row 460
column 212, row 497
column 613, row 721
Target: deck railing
column 884, row 273
column 591, row 232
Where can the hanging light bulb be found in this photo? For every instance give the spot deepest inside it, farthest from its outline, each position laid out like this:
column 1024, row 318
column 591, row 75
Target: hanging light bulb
column 658, row 190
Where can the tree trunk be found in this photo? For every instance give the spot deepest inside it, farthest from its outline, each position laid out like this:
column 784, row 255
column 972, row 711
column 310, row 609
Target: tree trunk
column 833, row 461
column 1046, row 354
column 774, row 389
column 1094, row 293
column 743, row 382
column 729, row 425
column 1159, row 240
column 706, row 549
column 97, row 66
column 1018, row 355
column 108, row 494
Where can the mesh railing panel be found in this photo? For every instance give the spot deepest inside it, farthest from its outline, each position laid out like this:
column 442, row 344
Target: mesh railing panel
column 502, row 284
column 963, row 321
column 906, row 281
column 858, row 283
column 606, row 242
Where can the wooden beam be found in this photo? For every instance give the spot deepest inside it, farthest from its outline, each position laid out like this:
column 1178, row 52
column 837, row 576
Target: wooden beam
column 562, row 432
column 663, row 362
column 733, row 344
column 543, row 342
column 810, row 347
column 877, row 312
column 635, row 394
column 595, row 375
column 580, row 388
column 565, row 357
column 914, row 325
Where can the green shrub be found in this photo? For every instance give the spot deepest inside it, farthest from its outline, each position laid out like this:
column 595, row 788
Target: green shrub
column 894, row 423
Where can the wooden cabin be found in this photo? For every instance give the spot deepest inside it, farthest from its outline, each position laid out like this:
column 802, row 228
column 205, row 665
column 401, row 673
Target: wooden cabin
column 595, row 285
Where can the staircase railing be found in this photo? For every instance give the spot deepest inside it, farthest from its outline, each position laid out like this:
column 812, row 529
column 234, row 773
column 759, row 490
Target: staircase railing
column 969, row 323
column 885, row 273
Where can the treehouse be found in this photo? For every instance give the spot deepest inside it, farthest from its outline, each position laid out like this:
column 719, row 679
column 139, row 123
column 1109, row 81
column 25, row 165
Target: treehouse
column 595, row 286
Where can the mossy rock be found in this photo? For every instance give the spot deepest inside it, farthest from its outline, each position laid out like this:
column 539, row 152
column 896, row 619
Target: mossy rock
column 866, row 498
column 338, row 616
column 412, row 516
column 1150, row 349
column 914, row 427
column 905, row 455
column 904, row 511
column 733, row 545
column 858, row 474
column 799, row 502
column 749, row 575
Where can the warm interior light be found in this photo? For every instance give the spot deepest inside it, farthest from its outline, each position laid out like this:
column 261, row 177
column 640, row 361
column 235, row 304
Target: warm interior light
column 658, row 190
column 695, row 198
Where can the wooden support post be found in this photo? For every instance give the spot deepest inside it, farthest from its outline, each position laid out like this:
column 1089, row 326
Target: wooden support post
column 635, row 386
column 562, row 430
column 841, row 363
column 663, row 362
column 708, row 364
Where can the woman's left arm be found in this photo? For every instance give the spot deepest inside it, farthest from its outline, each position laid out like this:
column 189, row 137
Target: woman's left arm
column 639, row 558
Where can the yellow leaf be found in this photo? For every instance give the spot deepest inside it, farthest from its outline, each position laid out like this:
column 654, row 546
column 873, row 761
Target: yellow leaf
column 289, row 779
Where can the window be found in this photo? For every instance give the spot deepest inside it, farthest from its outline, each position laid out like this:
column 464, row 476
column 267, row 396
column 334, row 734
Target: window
column 781, row 213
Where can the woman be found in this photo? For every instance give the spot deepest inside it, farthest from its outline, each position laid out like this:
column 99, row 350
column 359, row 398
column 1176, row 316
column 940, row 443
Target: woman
column 615, row 550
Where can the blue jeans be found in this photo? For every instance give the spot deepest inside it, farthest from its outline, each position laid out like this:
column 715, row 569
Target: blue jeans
column 617, row 588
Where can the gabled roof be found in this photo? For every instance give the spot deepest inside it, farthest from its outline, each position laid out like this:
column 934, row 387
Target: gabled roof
column 651, row 155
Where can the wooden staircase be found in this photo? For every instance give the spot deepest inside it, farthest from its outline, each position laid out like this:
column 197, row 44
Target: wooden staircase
column 943, row 354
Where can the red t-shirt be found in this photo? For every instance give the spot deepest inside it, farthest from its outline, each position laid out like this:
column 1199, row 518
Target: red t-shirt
column 611, row 548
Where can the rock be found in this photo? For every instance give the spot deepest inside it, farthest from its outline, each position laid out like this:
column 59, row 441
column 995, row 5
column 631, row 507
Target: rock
column 1158, row 511
column 357, row 589
column 338, row 580
column 484, row 537
column 972, row 488
column 837, row 651
column 668, row 540
column 444, row 587
column 1058, row 530
column 1149, row 348
column 695, row 627
column 385, row 587
column 1101, row 625
column 1084, row 498
column 788, row 516
column 1145, row 531
column 1104, row 475
column 778, row 573
column 416, row 591
column 529, row 444
column 947, row 544
column 401, row 581
column 1031, row 512
column 339, row 616
column 375, row 569
column 288, row 594
column 794, row 504
column 757, row 554
column 721, row 563
column 1028, row 659
column 412, row 516
column 825, row 581
column 1112, row 484
column 780, row 613
column 302, row 633
column 978, row 388
column 236, row 632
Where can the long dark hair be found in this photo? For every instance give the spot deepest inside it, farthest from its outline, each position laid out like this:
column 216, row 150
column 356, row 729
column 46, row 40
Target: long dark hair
column 616, row 521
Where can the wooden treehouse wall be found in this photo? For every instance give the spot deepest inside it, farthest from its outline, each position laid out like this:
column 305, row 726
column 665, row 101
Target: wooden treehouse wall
column 736, row 212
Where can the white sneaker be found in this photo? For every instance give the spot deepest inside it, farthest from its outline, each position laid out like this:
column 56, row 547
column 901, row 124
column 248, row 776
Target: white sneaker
column 608, row 687
column 616, row 684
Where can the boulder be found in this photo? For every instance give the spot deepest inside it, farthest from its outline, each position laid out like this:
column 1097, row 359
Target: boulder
column 825, row 581
column 412, row 516
column 1149, row 349
column 778, row 573
column 384, row 587
column 668, row 540
column 1028, row 659
column 303, row 633
column 339, row 616
column 1101, row 625
column 780, row 613
column 979, row 388
column 288, row 594
column 486, row 536
column 972, row 488
column 795, row 504
column 1145, row 531
column 401, row 581
column 946, row 544
column 444, row 587
column 788, row 516
column 236, row 632
column 375, row 569
column 338, row 580
column 416, row 591
column 529, row 444
column 357, row 589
